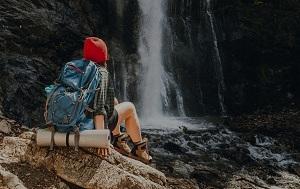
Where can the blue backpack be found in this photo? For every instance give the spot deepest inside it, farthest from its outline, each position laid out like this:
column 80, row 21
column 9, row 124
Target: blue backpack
column 70, row 97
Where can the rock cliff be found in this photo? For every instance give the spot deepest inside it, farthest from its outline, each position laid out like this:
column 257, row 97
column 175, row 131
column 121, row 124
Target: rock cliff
column 37, row 37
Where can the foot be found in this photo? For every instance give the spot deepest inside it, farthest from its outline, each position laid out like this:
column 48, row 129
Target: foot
column 140, row 152
column 120, row 143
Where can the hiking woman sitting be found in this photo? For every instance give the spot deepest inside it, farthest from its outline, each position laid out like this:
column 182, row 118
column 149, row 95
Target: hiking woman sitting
column 109, row 111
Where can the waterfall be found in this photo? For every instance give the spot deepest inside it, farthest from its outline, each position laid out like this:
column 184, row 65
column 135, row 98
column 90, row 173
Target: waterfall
column 218, row 67
column 150, row 45
column 120, row 8
column 157, row 83
column 179, row 101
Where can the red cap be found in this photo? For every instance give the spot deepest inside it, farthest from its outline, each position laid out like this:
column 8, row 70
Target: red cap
column 95, row 50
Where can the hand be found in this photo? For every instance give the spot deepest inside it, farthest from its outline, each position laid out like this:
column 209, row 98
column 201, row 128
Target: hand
column 105, row 151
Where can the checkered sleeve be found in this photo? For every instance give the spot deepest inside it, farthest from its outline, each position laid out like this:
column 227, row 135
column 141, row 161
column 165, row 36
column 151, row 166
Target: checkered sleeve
column 110, row 98
column 101, row 94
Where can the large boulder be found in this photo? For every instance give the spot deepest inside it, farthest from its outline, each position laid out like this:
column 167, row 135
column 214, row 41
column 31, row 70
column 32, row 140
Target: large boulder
column 83, row 168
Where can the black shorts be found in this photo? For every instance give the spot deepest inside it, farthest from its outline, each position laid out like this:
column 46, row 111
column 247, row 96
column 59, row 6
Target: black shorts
column 113, row 120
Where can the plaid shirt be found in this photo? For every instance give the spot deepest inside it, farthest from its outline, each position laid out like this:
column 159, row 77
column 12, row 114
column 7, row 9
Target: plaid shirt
column 104, row 97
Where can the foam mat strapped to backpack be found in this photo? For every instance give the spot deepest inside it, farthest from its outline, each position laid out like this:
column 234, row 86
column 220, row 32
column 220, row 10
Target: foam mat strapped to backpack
column 88, row 138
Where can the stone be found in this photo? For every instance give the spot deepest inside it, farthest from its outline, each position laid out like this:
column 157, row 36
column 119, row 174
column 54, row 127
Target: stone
column 295, row 169
column 9, row 180
column 5, row 127
column 275, row 187
column 182, row 183
column 182, row 169
column 83, row 168
column 11, row 121
column 12, row 149
column 271, row 181
column 63, row 185
column 27, row 135
column 174, row 148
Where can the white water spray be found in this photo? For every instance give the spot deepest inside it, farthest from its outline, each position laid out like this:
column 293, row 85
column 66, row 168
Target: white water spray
column 150, row 51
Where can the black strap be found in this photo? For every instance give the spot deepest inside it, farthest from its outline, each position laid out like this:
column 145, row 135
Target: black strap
column 52, row 138
column 67, row 139
column 105, row 121
column 76, row 138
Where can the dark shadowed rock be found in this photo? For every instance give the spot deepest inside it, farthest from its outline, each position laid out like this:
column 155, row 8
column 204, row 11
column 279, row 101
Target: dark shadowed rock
column 174, row 148
column 37, row 37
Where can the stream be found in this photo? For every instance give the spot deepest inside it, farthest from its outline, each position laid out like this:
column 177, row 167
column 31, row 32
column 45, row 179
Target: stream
column 206, row 150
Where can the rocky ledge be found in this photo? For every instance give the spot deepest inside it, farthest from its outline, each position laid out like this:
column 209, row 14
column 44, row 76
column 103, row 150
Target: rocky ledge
column 25, row 165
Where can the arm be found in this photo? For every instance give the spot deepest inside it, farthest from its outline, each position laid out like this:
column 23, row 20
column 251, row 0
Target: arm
column 99, row 121
column 100, row 112
column 100, row 98
column 116, row 101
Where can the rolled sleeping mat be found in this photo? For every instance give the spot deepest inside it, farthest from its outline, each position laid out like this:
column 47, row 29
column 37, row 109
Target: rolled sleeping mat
column 87, row 138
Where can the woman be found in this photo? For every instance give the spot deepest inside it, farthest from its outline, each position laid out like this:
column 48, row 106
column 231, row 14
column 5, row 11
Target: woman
column 109, row 112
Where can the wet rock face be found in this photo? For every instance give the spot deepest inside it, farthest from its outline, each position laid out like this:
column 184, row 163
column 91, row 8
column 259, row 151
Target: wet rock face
column 189, row 46
column 37, row 37
column 258, row 43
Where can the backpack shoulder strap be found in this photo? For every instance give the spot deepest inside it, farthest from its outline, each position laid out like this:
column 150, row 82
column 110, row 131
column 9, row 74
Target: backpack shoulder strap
column 76, row 138
column 52, row 129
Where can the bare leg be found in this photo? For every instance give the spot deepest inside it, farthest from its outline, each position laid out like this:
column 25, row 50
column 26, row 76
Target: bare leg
column 127, row 113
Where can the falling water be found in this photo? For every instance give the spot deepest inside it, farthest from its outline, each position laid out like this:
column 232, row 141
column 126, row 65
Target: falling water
column 179, row 101
column 150, row 52
column 219, row 68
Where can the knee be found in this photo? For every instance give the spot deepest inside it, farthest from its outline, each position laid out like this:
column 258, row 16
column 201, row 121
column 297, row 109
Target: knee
column 130, row 107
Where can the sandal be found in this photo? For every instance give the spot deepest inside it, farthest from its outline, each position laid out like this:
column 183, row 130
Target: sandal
column 140, row 152
column 120, row 144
